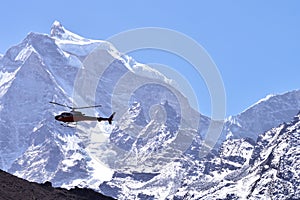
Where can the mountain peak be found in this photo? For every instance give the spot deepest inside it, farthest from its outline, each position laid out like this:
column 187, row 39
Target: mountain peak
column 59, row 32
column 56, row 23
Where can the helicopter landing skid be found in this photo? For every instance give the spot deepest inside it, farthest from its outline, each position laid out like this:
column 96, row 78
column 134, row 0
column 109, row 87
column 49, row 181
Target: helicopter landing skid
column 69, row 125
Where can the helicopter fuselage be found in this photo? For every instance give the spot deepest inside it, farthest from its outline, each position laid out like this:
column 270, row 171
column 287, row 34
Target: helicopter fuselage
column 74, row 117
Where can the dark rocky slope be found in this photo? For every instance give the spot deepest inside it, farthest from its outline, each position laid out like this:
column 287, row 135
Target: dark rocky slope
column 14, row 188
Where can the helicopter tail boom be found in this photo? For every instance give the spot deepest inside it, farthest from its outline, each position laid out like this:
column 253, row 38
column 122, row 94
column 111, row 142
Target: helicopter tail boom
column 109, row 119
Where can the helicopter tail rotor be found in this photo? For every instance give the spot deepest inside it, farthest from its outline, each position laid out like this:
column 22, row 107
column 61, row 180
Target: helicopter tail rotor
column 109, row 119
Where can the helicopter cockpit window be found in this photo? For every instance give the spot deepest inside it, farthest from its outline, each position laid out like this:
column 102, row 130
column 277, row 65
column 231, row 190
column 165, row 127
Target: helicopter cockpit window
column 66, row 114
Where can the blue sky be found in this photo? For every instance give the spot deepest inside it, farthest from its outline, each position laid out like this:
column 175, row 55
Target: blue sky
column 255, row 44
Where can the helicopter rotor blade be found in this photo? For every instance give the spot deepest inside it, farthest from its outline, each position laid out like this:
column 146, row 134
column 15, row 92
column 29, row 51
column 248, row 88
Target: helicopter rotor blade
column 60, row 104
column 87, row 107
column 74, row 108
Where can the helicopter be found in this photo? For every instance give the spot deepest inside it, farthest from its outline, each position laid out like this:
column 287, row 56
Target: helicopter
column 76, row 116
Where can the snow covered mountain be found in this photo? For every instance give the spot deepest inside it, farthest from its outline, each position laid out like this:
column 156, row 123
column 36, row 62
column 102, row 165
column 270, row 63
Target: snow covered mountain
column 43, row 68
column 240, row 169
column 267, row 170
column 152, row 149
column 264, row 115
column 33, row 145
